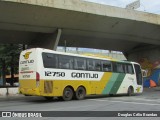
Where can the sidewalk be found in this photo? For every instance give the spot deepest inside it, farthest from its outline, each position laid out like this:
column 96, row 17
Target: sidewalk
column 12, row 95
column 152, row 89
column 8, row 91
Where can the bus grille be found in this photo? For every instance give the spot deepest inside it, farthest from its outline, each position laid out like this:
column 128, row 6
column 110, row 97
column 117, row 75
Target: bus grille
column 48, row 86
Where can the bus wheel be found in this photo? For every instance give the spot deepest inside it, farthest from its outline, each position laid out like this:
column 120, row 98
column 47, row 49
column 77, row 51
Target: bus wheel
column 110, row 95
column 130, row 91
column 49, row 98
column 67, row 94
column 80, row 93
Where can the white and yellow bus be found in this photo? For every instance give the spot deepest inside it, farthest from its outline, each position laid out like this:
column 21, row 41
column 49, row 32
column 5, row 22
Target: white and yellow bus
column 49, row 73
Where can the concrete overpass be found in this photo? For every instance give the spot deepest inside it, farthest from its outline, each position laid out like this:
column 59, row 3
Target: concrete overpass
column 83, row 24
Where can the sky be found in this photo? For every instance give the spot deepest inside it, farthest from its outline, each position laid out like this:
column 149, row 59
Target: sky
column 151, row 6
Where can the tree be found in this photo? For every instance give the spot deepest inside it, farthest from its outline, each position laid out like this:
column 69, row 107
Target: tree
column 9, row 54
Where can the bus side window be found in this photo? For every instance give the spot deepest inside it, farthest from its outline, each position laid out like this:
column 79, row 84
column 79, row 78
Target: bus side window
column 106, row 66
column 90, row 64
column 130, row 69
column 50, row 60
column 93, row 65
column 65, row 62
column 138, row 74
column 79, row 63
column 118, row 67
column 125, row 67
column 98, row 66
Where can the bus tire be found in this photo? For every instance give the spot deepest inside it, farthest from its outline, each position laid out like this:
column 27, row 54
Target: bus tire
column 80, row 93
column 67, row 94
column 27, row 95
column 130, row 91
column 111, row 95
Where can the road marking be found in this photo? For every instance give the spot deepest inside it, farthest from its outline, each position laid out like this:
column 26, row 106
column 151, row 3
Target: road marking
column 143, row 99
column 123, row 102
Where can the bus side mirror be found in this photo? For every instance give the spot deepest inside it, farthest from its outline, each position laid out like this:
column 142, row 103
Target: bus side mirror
column 144, row 73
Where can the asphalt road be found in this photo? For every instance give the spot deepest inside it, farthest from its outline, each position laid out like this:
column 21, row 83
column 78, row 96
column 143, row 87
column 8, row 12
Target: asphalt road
column 148, row 101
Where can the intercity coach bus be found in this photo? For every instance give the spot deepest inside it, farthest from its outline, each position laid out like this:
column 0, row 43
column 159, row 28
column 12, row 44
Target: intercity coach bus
column 49, row 73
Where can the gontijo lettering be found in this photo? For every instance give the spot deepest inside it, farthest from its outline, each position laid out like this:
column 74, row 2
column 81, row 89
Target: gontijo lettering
column 83, row 75
column 26, row 61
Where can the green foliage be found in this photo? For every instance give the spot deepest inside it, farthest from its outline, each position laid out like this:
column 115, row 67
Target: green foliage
column 8, row 50
column 10, row 53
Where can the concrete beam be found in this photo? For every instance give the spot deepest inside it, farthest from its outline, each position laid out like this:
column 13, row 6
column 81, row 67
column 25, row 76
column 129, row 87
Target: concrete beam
column 83, row 24
column 94, row 8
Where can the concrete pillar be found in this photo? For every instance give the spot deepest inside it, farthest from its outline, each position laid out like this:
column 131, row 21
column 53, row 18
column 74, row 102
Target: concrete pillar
column 149, row 58
column 59, row 32
column 47, row 40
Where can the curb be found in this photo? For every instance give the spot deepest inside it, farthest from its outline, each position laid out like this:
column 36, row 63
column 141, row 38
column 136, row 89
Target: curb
column 8, row 91
column 152, row 89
